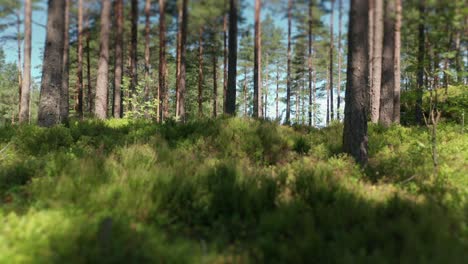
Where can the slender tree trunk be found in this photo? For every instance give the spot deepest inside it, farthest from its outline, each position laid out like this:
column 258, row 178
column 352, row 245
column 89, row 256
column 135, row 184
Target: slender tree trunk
column 377, row 61
column 183, row 51
column 162, row 59
column 314, row 99
column 309, row 60
column 215, row 82
column 265, row 106
column 100, row 107
column 328, row 97
column 147, row 52
column 200, row 72
column 277, row 92
column 225, row 59
column 49, row 103
column 26, row 83
column 19, row 41
column 133, row 50
column 88, row 67
column 332, row 46
column 178, row 49
column 396, row 92
column 244, row 91
column 257, row 108
column 79, row 71
column 232, row 70
column 288, row 80
column 388, row 66
column 420, row 71
column 297, row 104
column 64, row 103
column 118, row 60
column 338, row 96
column 355, row 121
column 371, row 51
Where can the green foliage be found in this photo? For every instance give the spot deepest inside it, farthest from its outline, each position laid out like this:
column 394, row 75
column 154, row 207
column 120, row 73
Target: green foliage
column 122, row 191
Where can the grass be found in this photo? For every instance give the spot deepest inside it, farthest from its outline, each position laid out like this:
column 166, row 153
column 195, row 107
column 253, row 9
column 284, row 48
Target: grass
column 229, row 191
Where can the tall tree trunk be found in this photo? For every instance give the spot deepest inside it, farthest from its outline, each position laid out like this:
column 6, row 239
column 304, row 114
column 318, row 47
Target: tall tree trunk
column 338, row 96
column 309, row 60
column 64, row 103
column 332, row 46
column 328, row 96
column 88, row 67
column 183, row 52
column 420, row 63
column 244, row 91
column 49, row 103
column 265, row 104
column 396, row 92
column 147, row 52
column 376, row 61
column 162, row 59
column 388, row 66
column 355, row 121
column 225, row 59
column 257, row 108
column 288, row 77
column 371, row 51
column 118, row 60
column 232, row 70
column 79, row 68
column 133, row 50
column 26, row 83
column 178, row 49
column 215, row 82
column 19, row 41
column 100, row 106
column 314, row 99
column 200, row 73
column 277, row 92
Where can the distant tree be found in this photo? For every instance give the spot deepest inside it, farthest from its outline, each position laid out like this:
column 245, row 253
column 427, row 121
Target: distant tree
column 162, row 90
column 79, row 71
column 257, row 105
column 100, row 107
column 355, row 120
column 118, row 61
column 133, row 49
column 288, row 73
column 49, row 105
column 330, row 109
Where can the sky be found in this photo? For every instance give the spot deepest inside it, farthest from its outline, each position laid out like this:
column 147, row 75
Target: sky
column 39, row 34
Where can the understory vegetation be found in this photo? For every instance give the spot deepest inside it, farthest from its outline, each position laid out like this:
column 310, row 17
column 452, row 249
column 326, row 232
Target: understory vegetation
column 229, row 190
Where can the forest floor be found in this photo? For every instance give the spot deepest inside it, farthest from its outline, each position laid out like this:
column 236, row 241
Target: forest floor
column 229, row 190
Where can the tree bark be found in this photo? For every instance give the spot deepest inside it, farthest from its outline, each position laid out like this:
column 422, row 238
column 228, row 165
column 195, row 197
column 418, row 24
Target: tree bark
column 162, row 59
column 118, row 60
column 64, row 103
column 338, row 96
column 178, row 49
column 147, row 52
column 133, row 50
column 420, row 63
column 309, row 60
column 265, row 103
column 257, row 108
column 215, row 83
column 396, row 92
column 371, row 50
column 26, row 82
column 225, row 60
column 20, row 74
column 49, row 103
column 355, row 121
column 388, row 66
column 376, row 61
column 200, row 72
column 232, row 70
column 88, row 68
column 100, row 107
column 332, row 46
column 288, row 80
column 79, row 69
column 183, row 52
column 277, row 92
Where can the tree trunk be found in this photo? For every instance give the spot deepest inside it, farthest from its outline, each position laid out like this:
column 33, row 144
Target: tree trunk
column 200, row 72
column 244, row 91
column 420, row 63
column 133, row 50
column 64, row 103
column 88, row 67
column 371, row 51
column 328, row 96
column 26, row 82
column 178, row 49
column 355, row 119
column 49, row 103
column 232, row 70
column 215, row 83
column 314, row 99
column 118, row 60
column 396, row 92
column 277, row 92
column 265, row 104
column 79, row 69
column 225, row 60
column 162, row 59
column 388, row 66
column 257, row 108
column 183, row 52
column 147, row 52
column 376, row 61
column 338, row 96
column 309, row 60
column 20, row 74
column 100, row 107
column 288, row 80
column 332, row 46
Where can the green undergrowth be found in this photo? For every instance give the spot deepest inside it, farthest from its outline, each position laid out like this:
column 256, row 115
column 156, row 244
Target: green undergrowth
column 229, row 191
